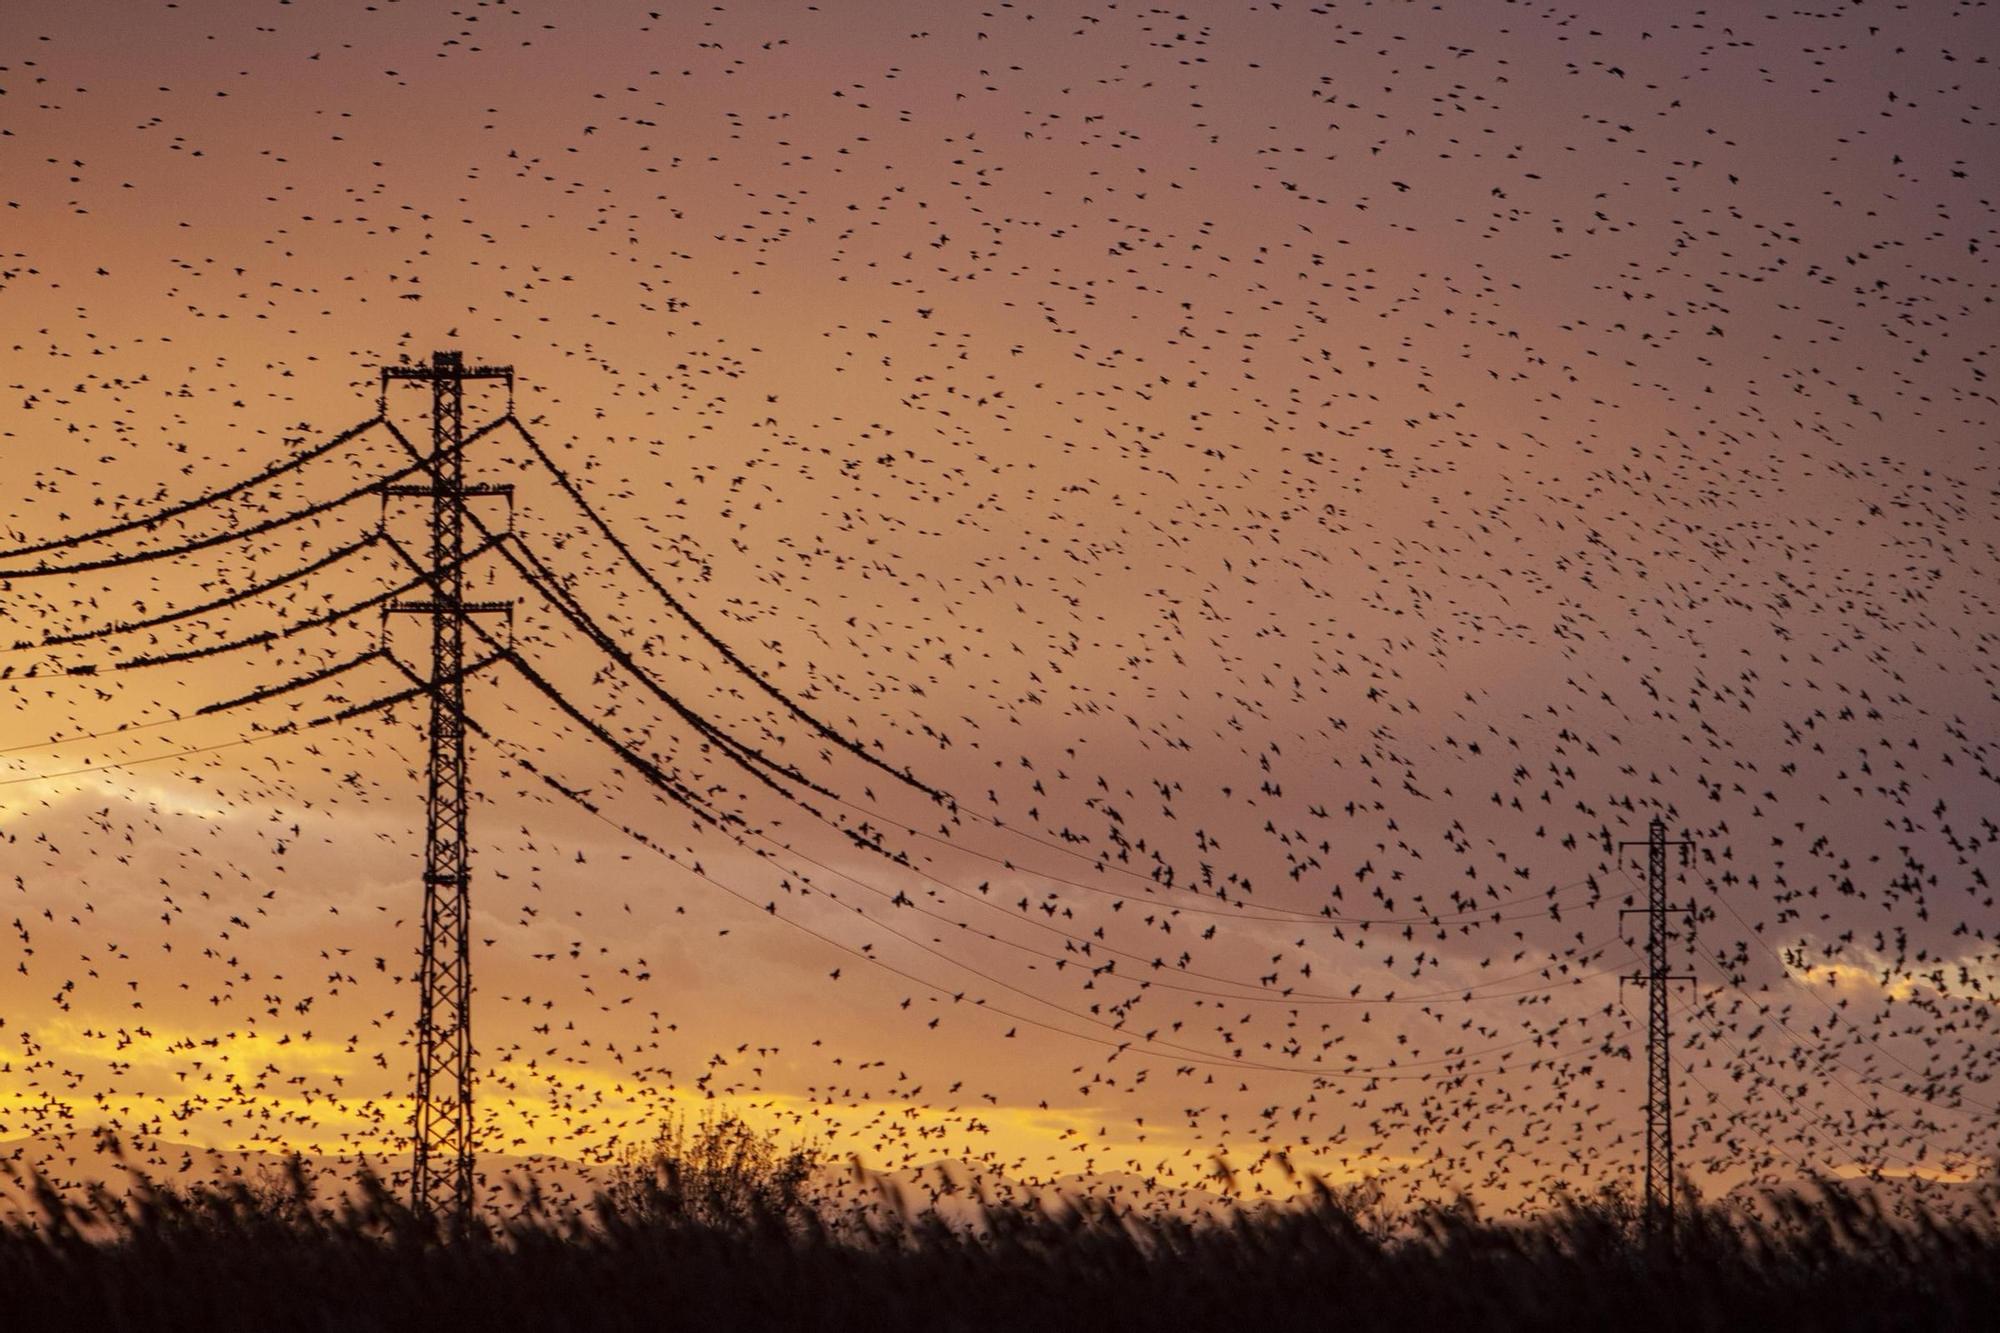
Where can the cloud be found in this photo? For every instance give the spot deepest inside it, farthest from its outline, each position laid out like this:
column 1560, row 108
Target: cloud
column 1865, row 971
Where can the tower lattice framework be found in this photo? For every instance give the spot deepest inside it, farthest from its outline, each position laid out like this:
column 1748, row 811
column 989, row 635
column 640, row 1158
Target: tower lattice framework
column 442, row 1133
column 1659, row 1199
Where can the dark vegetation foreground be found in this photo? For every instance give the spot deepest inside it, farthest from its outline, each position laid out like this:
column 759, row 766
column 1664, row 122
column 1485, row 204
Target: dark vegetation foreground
column 657, row 1257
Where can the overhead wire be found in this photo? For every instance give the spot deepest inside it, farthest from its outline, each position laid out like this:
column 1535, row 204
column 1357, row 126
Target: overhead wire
column 213, row 540
column 331, row 558
column 1173, row 1050
column 286, row 728
column 708, row 636
column 1719, row 1035
column 254, row 696
column 1136, row 1045
column 132, row 763
column 271, row 636
column 1786, row 972
column 571, row 607
column 296, row 683
column 1765, row 1010
column 745, row 756
column 549, row 586
column 645, row 767
column 465, row 672
column 543, row 580
column 160, row 516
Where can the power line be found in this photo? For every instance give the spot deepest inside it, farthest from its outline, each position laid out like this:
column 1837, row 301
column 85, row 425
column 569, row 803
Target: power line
column 539, row 580
column 645, row 767
column 654, row 776
column 296, row 683
column 728, row 654
column 544, row 581
column 134, row 763
column 284, row 729
column 255, row 696
column 261, row 637
column 158, row 517
column 1186, row 1056
column 443, row 1132
column 215, row 539
column 747, row 757
column 1717, row 1033
column 1785, row 971
column 331, row 558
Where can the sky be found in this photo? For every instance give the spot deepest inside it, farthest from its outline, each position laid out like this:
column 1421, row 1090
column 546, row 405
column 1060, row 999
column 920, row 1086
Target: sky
column 1309, row 481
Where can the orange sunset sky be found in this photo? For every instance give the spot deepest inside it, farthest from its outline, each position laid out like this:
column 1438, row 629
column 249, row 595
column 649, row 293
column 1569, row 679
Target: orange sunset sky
column 1301, row 476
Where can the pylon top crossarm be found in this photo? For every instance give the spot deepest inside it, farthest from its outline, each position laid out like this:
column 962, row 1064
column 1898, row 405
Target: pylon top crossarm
column 443, row 368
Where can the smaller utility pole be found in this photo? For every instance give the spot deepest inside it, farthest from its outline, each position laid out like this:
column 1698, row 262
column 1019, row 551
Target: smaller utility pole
column 1659, row 1206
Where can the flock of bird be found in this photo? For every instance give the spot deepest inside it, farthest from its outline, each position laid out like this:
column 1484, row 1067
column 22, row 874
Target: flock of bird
column 1095, row 592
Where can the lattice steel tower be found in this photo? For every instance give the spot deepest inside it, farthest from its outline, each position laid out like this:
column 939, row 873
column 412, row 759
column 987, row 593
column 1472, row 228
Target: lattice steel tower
column 441, row 1179
column 1659, row 1204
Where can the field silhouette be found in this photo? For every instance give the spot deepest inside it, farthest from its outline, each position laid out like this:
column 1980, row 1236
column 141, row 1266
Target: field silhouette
column 713, row 1227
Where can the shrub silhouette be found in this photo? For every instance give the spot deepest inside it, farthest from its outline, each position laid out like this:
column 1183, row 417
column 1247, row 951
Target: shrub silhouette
column 721, row 1174
column 714, row 1229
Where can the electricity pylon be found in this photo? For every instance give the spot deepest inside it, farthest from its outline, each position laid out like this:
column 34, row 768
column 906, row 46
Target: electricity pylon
column 1659, row 1205
column 441, row 1181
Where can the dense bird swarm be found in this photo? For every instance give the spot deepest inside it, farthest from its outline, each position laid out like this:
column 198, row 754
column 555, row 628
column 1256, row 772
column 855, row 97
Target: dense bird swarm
column 1096, row 592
